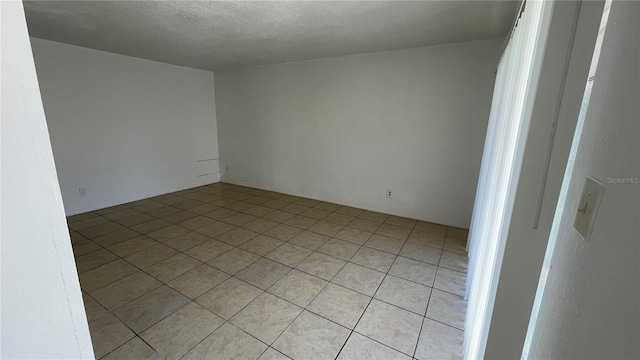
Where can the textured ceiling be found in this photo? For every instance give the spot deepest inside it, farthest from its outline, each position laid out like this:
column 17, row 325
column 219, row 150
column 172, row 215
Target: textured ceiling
column 216, row 35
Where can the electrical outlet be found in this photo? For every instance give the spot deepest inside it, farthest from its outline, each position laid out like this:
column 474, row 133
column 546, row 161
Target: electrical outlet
column 389, row 193
column 82, row 191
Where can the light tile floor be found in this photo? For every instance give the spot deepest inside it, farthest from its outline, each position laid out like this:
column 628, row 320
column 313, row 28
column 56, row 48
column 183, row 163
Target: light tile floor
column 230, row 272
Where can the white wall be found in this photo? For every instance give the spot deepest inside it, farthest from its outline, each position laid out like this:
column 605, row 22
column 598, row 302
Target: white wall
column 345, row 129
column 42, row 312
column 591, row 303
column 125, row 128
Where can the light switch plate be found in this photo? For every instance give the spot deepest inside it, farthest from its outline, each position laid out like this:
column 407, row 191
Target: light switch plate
column 587, row 210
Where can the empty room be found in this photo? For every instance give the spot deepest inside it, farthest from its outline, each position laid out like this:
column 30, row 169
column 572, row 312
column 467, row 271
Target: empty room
column 319, row 179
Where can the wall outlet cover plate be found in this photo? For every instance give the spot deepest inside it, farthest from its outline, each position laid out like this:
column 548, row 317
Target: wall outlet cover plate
column 588, row 206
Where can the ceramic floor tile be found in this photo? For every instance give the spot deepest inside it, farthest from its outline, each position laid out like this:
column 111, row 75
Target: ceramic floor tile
column 339, row 304
column 404, row 294
column 374, row 259
column 414, row 270
column 359, row 347
column 198, row 281
column 131, row 246
column 106, row 274
column 447, row 308
column 451, row 281
column 375, row 216
column 401, row 221
column 321, row 265
column 233, row 260
column 364, row 224
column 275, row 204
column 208, row 250
column 237, row 236
column 203, row 209
column 227, row 343
column 150, row 226
column 229, row 297
column 258, row 211
column 150, row 256
column 272, row 354
column 126, row 289
column 134, row 349
column 457, row 233
column 266, row 317
column 309, row 239
column 241, row 206
column 338, row 248
column 150, row 308
column 102, row 229
column 385, row 243
column 186, row 241
column 314, row 213
column 92, row 308
column 261, row 245
column 327, row 206
column 312, row 337
column 283, row 232
column 179, row 332
column 339, row 219
column 239, row 219
column 167, row 233
column 424, row 253
column 300, row 221
column 307, row 202
column 391, row 326
column 298, row 287
column 456, row 245
column 294, row 208
column 325, row 228
column 398, row 232
column 425, row 238
column 263, row 273
column 359, row 278
column 107, row 333
column 353, row 235
column 169, row 269
column 79, row 217
column 196, row 222
column 94, row 259
column 454, row 261
column 219, row 214
column 84, row 247
column 439, row 341
column 135, row 219
column 260, row 225
column 179, row 216
column 351, row 211
column 75, row 237
column 87, row 223
column 115, row 237
column 216, row 229
column 289, row 254
column 431, row 228
column 278, row 216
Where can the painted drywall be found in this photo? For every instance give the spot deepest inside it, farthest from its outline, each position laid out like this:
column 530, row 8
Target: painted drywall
column 125, row 128
column 590, row 308
column 346, row 129
column 42, row 312
column 525, row 245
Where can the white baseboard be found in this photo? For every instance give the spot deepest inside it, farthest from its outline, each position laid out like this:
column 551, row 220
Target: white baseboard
column 212, row 179
column 352, row 204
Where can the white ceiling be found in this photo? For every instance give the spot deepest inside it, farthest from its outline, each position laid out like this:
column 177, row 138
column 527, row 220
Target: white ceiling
column 216, row 35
